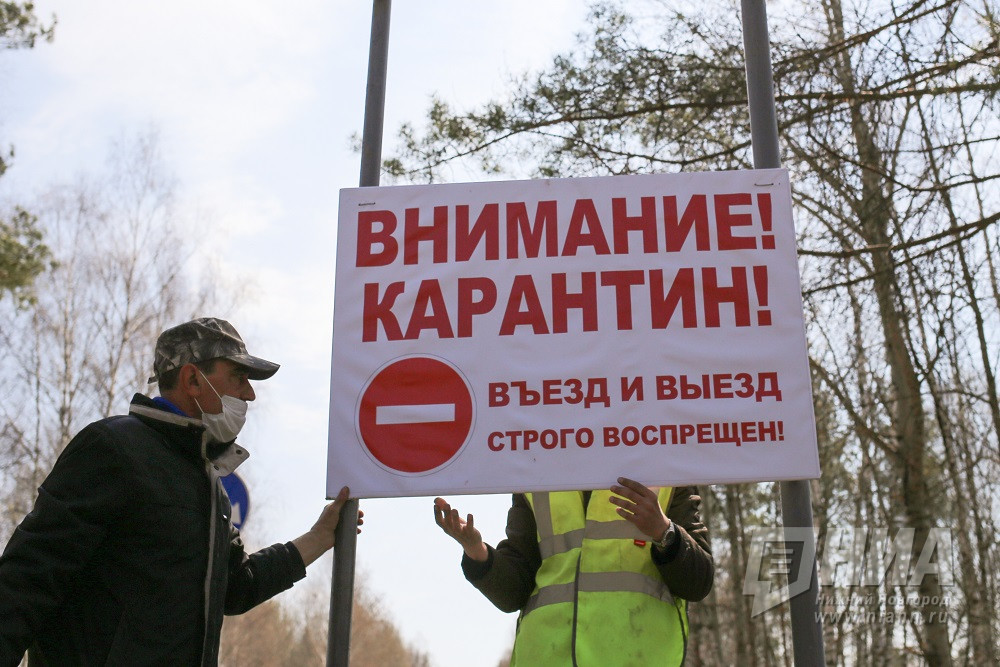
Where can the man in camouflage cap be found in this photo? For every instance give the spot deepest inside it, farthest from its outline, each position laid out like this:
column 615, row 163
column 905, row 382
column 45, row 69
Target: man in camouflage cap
column 204, row 339
column 130, row 555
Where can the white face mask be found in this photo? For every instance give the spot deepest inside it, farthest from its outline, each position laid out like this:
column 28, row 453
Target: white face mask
column 226, row 425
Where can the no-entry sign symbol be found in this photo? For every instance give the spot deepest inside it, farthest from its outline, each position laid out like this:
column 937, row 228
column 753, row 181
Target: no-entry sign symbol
column 415, row 414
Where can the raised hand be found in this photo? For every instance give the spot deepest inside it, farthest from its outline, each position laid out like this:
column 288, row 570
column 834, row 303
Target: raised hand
column 462, row 531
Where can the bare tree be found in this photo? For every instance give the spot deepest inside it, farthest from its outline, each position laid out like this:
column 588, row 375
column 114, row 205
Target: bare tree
column 85, row 347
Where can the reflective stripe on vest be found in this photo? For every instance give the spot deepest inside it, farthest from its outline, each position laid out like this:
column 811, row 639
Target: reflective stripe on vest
column 599, row 599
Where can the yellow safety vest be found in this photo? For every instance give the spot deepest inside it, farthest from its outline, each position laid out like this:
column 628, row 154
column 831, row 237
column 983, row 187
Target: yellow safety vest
column 599, row 600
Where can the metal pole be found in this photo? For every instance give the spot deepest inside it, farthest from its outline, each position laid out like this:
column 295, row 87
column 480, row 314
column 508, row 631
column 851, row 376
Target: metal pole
column 796, row 505
column 345, row 552
column 378, row 58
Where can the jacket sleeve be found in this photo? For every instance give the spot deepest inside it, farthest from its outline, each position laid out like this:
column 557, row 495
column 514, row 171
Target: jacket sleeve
column 257, row 577
column 687, row 566
column 507, row 578
column 84, row 494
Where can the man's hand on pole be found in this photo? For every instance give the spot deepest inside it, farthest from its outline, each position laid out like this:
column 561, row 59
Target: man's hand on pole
column 321, row 537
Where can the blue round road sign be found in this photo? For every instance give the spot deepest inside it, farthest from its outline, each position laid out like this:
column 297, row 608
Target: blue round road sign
column 239, row 498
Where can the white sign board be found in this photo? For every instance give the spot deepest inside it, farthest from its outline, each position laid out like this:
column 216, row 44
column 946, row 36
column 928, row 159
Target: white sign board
column 556, row 334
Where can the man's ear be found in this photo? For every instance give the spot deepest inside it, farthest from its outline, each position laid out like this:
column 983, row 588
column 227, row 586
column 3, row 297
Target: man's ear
column 189, row 381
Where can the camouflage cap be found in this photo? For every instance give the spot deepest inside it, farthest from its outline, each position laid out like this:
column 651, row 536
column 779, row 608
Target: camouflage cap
column 204, row 339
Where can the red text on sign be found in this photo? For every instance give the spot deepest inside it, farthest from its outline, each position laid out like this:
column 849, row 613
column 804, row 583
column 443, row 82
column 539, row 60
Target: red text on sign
column 706, row 433
column 720, row 222
column 595, row 391
column 670, row 298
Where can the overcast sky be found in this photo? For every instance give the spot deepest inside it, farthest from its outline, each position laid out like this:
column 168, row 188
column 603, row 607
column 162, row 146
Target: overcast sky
column 255, row 103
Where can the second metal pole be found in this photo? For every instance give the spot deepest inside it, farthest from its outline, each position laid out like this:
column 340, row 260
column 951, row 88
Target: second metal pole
column 796, row 505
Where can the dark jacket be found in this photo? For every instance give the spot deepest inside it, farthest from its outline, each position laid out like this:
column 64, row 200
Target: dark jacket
column 507, row 578
column 129, row 555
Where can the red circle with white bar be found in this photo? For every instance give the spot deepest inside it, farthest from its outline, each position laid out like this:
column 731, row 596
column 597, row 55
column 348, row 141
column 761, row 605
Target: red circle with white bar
column 415, row 414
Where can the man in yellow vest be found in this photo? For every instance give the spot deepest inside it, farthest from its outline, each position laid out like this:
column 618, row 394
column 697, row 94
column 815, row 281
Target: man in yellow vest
column 600, row 578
